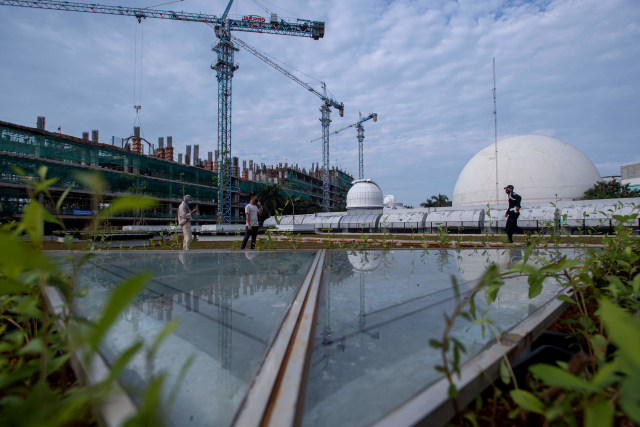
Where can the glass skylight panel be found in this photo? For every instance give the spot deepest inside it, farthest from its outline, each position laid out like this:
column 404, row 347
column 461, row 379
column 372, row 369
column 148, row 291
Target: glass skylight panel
column 377, row 313
column 229, row 306
column 370, row 352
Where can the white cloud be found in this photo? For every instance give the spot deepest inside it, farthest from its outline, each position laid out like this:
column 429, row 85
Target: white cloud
column 564, row 68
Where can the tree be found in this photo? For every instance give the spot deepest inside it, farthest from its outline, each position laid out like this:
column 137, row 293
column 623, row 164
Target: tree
column 270, row 197
column 609, row 190
column 340, row 207
column 302, row 207
column 436, row 201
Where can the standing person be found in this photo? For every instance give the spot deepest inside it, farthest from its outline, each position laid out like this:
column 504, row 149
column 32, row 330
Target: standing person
column 251, row 211
column 513, row 212
column 184, row 221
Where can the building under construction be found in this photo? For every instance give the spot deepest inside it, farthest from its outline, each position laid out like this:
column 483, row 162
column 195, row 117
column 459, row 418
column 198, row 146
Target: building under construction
column 128, row 170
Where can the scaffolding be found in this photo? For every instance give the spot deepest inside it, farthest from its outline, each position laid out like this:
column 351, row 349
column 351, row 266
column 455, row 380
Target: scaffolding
column 155, row 175
column 124, row 171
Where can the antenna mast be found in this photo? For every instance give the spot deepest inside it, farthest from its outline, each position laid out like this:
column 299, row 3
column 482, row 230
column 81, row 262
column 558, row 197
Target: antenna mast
column 495, row 127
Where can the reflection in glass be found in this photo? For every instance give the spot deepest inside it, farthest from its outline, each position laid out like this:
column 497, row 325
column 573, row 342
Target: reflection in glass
column 377, row 312
column 229, row 308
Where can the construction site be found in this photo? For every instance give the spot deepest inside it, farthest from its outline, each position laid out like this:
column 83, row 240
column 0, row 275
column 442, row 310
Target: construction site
column 135, row 166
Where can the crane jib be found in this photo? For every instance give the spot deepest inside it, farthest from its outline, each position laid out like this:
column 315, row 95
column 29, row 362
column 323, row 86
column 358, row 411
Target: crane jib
column 302, row 28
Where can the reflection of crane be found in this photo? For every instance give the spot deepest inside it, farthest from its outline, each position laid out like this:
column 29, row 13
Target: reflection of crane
column 224, row 65
column 325, row 110
column 360, row 130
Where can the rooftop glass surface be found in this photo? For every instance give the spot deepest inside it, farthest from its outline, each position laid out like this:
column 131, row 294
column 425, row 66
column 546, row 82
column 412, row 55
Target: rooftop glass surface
column 377, row 313
column 229, row 306
column 370, row 351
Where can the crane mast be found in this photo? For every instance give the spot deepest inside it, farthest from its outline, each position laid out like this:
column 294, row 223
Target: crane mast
column 224, row 65
column 360, row 136
column 325, row 117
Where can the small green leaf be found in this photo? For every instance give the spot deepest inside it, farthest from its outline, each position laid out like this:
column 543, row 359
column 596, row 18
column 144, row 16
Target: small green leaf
column 35, row 346
column 168, row 329
column 527, row 401
column 505, row 375
column 599, row 414
column 635, row 283
column 566, row 298
column 11, row 287
column 62, row 198
column 18, row 170
column 535, row 284
column 118, row 301
column 623, row 329
column 93, row 181
column 472, row 419
column 557, row 377
column 435, row 343
column 630, row 397
column 606, row 375
column 123, row 359
column 453, row 391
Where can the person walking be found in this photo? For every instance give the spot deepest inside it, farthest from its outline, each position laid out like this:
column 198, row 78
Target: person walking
column 251, row 211
column 512, row 213
column 184, row 221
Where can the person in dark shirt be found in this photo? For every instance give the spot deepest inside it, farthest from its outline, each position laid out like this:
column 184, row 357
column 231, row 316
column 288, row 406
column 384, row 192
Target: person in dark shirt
column 512, row 213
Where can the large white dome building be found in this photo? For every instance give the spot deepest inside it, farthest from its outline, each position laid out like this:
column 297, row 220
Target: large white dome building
column 541, row 168
column 364, row 194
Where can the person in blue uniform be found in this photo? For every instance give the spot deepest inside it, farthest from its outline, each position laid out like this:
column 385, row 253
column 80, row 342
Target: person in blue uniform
column 512, row 213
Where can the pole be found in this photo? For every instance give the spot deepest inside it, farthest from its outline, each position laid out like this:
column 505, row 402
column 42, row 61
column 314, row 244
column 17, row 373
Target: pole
column 495, row 128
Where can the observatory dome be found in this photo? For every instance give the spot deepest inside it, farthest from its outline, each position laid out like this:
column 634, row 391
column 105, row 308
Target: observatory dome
column 364, row 194
column 541, row 168
column 363, row 261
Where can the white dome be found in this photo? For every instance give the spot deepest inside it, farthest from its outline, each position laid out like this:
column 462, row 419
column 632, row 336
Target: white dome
column 365, row 260
column 541, row 168
column 364, row 194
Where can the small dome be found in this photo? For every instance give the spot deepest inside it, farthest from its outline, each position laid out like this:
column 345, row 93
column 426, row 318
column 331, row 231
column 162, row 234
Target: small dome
column 363, row 261
column 542, row 169
column 364, row 194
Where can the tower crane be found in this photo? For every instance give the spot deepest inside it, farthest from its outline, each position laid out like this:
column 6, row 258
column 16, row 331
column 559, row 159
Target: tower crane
column 325, row 119
column 360, row 130
column 224, row 65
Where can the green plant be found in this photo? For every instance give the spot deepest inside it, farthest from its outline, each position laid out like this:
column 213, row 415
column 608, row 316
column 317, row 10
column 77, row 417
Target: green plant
column 443, row 237
column 270, row 242
column 452, row 348
column 278, row 212
column 601, row 384
column 39, row 342
column 170, row 239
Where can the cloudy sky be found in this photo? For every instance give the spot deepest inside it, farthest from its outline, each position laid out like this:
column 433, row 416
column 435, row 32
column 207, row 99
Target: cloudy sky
column 569, row 69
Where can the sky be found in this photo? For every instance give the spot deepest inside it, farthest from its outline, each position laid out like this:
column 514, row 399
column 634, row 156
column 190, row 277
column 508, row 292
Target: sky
column 569, row 69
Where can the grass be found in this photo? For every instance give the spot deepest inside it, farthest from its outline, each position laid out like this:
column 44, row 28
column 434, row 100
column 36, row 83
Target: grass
column 336, row 241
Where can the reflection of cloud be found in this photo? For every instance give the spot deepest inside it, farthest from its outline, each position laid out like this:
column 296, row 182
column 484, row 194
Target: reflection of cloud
column 365, row 260
column 250, row 255
column 473, row 263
